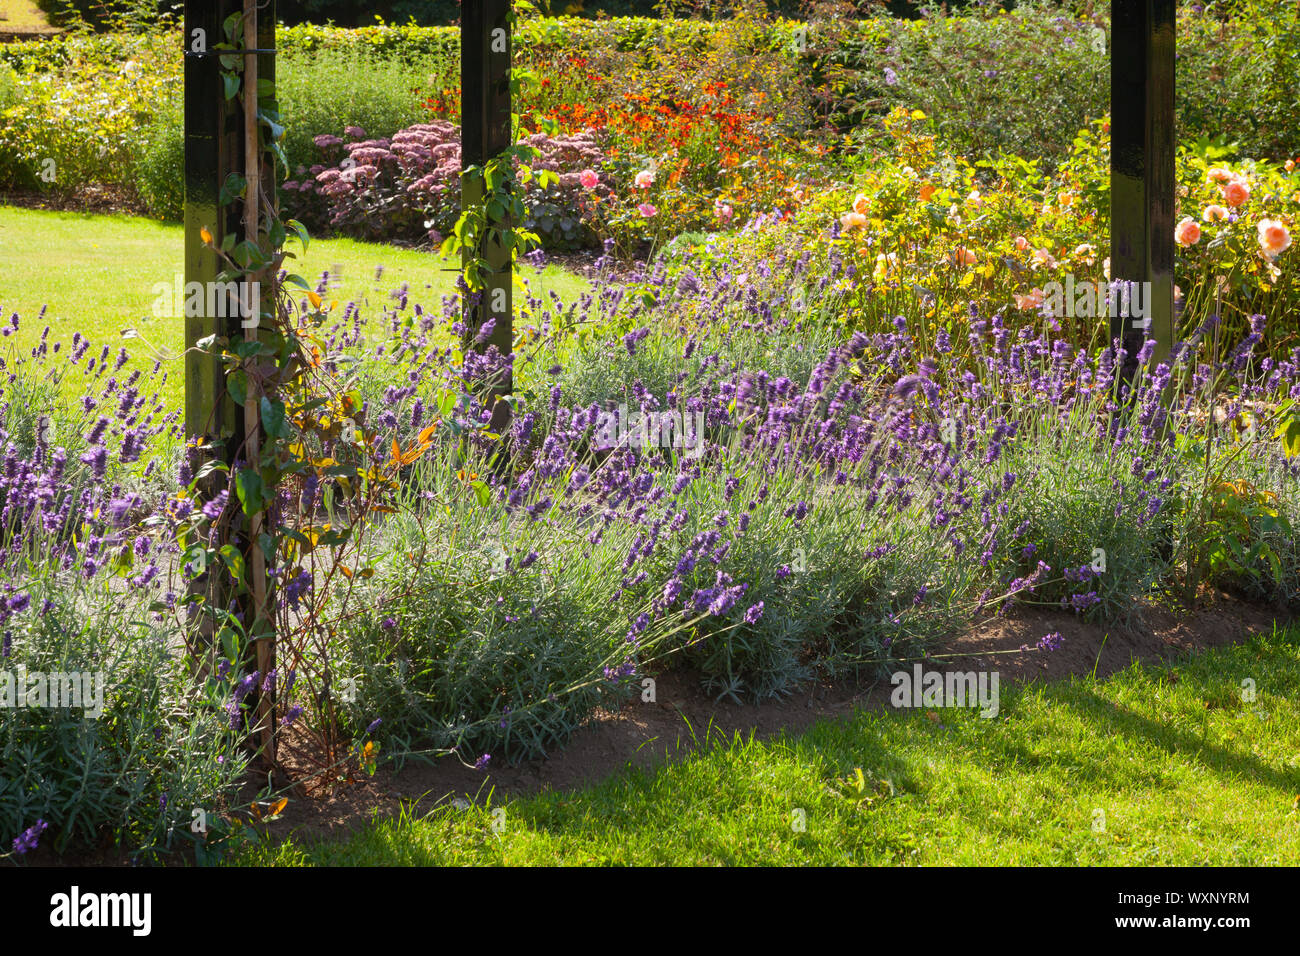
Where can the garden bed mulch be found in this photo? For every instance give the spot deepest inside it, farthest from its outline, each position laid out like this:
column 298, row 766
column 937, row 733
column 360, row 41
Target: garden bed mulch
column 683, row 717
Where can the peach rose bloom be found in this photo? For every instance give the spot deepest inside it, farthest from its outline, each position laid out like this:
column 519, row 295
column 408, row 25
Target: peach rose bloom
column 974, row 197
column 1221, row 175
column 722, row 210
column 861, row 204
column 851, row 220
column 588, row 178
column 1273, row 236
column 1031, row 301
column 927, row 190
column 1214, row 213
column 1022, row 243
column 963, row 256
column 644, row 179
column 1045, row 257
column 1187, row 232
column 1235, row 193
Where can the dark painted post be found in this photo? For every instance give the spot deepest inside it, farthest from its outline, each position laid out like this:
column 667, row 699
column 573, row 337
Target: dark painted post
column 1142, row 170
column 485, row 132
column 215, row 139
column 213, row 150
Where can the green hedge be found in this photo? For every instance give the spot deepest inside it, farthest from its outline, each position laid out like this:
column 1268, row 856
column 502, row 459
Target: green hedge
column 1022, row 82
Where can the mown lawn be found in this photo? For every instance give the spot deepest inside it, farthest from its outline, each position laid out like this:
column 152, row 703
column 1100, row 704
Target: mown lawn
column 1156, row 765
column 96, row 274
column 23, row 16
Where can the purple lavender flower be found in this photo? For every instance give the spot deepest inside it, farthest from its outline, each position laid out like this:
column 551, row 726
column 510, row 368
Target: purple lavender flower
column 27, row 840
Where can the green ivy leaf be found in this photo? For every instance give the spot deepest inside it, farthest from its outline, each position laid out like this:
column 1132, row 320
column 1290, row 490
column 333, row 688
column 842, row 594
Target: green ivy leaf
column 234, row 562
column 273, row 419
column 248, row 484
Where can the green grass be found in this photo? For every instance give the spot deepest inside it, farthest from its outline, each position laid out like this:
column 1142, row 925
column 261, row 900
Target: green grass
column 1184, row 771
column 23, row 16
column 97, row 275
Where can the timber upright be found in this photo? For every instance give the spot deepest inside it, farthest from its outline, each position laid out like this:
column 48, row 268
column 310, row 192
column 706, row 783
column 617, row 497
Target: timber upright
column 1143, row 41
column 486, row 133
column 217, row 146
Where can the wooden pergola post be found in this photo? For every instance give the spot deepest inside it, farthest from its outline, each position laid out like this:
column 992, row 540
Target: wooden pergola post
column 485, row 133
column 221, row 138
column 1143, row 42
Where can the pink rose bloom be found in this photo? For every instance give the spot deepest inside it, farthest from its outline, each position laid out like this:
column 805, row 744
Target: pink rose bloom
column 647, row 210
column 588, row 178
column 644, row 179
column 1031, row 301
column 1187, row 232
column 722, row 210
column 1273, row 236
column 1236, row 192
column 1022, row 243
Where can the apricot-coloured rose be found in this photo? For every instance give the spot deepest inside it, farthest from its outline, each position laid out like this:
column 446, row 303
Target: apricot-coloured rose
column 1273, row 236
column 1187, row 232
column 861, row 204
column 853, row 220
column 1235, row 193
column 1215, row 213
column 1022, row 243
column 1031, row 301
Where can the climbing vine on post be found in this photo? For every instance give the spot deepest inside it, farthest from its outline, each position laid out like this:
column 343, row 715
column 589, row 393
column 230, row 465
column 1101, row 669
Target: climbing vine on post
column 277, row 507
